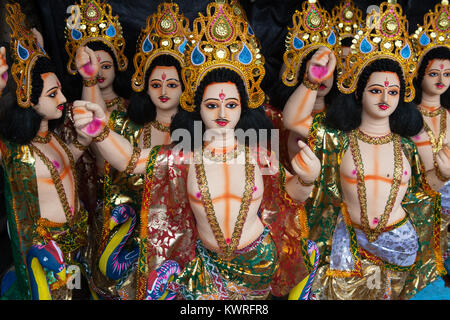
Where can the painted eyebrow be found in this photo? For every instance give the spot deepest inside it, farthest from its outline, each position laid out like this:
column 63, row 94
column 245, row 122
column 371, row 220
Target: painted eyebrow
column 215, row 99
column 379, row 85
column 166, row 80
column 51, row 89
column 106, row 61
column 448, row 69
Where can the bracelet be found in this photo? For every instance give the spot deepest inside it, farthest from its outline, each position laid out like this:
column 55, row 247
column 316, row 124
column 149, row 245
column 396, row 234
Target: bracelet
column 90, row 83
column 303, row 183
column 310, row 85
column 102, row 136
column 133, row 161
column 79, row 145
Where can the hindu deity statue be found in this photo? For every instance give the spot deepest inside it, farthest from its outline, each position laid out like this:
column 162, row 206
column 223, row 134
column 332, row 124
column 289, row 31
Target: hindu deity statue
column 432, row 46
column 48, row 237
column 233, row 238
column 372, row 213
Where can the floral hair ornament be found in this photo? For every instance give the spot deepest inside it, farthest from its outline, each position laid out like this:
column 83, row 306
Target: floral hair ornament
column 92, row 20
column 25, row 50
column 310, row 31
column 435, row 31
column 165, row 33
column 385, row 36
column 347, row 19
column 222, row 39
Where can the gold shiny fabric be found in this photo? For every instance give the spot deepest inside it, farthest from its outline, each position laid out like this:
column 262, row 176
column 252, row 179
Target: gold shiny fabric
column 376, row 283
column 168, row 227
column 420, row 202
column 26, row 227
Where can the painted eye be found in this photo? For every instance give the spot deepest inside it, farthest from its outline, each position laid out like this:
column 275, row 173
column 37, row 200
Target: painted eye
column 106, row 66
column 446, row 74
column 155, row 85
column 375, row 91
column 433, row 74
column 52, row 95
column 211, row 106
column 231, row 105
column 172, row 85
column 393, row 92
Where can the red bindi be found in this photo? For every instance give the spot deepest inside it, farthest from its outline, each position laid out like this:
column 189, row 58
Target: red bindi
column 386, row 83
column 222, row 95
column 442, row 66
column 163, row 76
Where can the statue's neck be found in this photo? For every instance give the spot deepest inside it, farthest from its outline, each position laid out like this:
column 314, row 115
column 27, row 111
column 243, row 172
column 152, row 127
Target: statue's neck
column 221, row 139
column 430, row 100
column 374, row 126
column 108, row 93
column 165, row 116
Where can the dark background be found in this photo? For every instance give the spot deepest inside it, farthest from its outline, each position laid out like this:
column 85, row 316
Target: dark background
column 269, row 19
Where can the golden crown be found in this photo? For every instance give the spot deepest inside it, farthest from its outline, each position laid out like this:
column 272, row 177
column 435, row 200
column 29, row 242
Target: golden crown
column 166, row 33
column 92, row 20
column 310, row 31
column 434, row 32
column 222, row 39
column 385, row 35
column 25, row 51
column 347, row 19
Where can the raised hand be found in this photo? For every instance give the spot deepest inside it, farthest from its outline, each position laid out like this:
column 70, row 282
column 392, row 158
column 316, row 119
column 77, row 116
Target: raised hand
column 321, row 66
column 443, row 160
column 89, row 119
column 305, row 164
column 3, row 69
column 87, row 63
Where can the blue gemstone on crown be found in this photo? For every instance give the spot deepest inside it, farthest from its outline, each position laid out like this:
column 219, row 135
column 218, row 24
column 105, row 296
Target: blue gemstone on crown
column 406, row 52
column 197, row 57
column 76, row 35
column 147, row 46
column 22, row 52
column 365, row 46
column 332, row 38
column 298, row 44
column 245, row 56
column 424, row 39
column 111, row 31
column 182, row 47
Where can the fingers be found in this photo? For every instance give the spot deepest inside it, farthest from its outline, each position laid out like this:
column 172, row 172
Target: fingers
column 306, row 151
column 38, row 36
column 81, row 123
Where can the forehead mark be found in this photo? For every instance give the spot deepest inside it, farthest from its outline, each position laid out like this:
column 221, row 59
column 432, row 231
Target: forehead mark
column 163, row 76
column 222, row 95
column 442, row 66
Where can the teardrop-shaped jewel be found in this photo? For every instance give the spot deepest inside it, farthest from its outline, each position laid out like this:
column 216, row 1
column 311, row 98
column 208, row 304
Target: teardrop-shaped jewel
column 76, row 35
column 332, row 38
column 313, row 18
column 221, row 29
column 424, row 39
column 442, row 22
column 390, row 24
column 406, row 52
column 197, row 57
column 298, row 44
column 111, row 31
column 22, row 52
column 147, row 46
column 167, row 23
column 92, row 12
column 245, row 56
column 182, row 46
column 365, row 46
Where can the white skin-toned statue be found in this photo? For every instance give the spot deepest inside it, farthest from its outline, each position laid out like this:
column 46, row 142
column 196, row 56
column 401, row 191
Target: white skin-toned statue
column 220, row 111
column 435, row 82
column 3, row 70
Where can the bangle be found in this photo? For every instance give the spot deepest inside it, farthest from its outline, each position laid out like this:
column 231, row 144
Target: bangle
column 303, row 183
column 102, row 136
column 310, row 85
column 90, row 82
column 133, row 160
column 79, row 145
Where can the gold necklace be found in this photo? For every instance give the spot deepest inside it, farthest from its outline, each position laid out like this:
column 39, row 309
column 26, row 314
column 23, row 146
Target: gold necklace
column 373, row 140
column 372, row 234
column 43, row 140
column 224, row 157
column 116, row 101
column 227, row 248
column 430, row 114
column 159, row 126
column 57, row 179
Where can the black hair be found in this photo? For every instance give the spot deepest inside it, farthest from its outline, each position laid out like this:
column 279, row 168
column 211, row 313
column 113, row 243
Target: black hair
column 345, row 112
column 20, row 125
column 436, row 53
column 251, row 118
column 121, row 83
column 141, row 109
column 347, row 42
column 280, row 93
